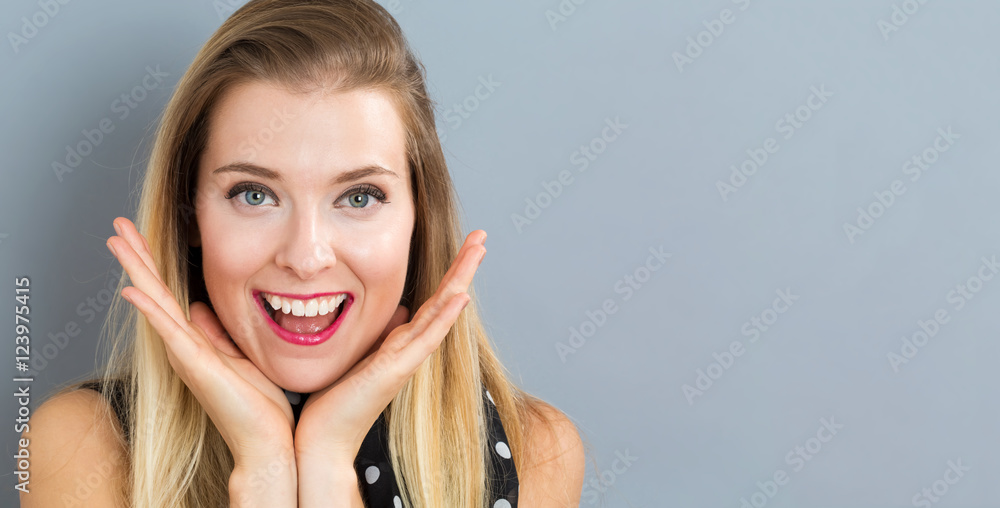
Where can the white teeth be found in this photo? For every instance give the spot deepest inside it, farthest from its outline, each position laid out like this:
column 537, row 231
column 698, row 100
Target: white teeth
column 311, row 308
column 308, row 308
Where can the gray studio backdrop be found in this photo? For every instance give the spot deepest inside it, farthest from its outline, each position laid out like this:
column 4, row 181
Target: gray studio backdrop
column 748, row 246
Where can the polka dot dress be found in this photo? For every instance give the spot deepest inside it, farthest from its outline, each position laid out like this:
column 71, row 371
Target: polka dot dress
column 378, row 483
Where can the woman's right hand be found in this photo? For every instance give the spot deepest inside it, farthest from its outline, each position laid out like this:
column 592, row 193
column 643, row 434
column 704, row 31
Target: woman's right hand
column 251, row 412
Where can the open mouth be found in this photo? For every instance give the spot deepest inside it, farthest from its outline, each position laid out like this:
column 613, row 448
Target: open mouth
column 309, row 321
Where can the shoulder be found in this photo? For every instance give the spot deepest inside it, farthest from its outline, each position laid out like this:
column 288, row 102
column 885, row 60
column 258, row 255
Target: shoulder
column 553, row 467
column 73, row 442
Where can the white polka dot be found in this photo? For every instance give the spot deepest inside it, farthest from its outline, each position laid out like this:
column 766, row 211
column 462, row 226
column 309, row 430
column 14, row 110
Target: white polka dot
column 488, row 396
column 396, row 502
column 502, row 450
column 371, row 474
column 501, row 503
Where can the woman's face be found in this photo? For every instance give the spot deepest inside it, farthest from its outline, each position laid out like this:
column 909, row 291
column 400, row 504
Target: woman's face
column 290, row 204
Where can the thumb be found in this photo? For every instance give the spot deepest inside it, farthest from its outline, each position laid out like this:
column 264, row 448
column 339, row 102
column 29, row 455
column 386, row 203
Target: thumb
column 203, row 316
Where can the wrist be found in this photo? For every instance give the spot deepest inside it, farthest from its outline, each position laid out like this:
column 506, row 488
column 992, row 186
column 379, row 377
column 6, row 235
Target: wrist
column 264, row 481
column 314, row 451
column 322, row 481
column 321, row 464
column 264, row 455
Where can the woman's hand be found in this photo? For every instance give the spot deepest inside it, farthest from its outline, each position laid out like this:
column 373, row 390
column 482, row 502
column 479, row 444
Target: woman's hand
column 334, row 421
column 252, row 413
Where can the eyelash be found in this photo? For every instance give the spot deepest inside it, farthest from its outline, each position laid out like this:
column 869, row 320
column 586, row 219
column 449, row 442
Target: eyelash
column 243, row 187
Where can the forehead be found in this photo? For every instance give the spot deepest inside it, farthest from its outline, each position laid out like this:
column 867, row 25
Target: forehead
column 313, row 133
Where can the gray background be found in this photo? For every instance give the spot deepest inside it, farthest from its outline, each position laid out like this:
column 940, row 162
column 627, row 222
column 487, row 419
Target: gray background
column 654, row 186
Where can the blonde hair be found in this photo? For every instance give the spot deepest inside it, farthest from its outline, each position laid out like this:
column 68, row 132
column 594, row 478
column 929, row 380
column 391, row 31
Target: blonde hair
column 436, row 423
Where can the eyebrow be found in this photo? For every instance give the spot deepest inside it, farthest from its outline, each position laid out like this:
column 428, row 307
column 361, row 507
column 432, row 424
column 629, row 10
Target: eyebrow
column 262, row 172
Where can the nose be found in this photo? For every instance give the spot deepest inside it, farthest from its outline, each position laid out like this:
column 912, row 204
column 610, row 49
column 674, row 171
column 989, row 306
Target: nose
column 307, row 248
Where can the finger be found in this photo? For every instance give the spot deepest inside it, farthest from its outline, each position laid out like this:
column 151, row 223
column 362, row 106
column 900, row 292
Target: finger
column 391, row 366
column 144, row 279
column 425, row 342
column 172, row 332
column 474, row 251
column 459, row 274
column 127, row 230
column 203, row 316
column 457, row 279
column 457, row 283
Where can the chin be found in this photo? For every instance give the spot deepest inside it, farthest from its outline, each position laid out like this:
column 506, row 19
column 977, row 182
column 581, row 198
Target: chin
column 302, row 378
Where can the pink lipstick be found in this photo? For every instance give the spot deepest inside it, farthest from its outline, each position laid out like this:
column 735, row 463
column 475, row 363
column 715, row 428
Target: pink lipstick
column 302, row 339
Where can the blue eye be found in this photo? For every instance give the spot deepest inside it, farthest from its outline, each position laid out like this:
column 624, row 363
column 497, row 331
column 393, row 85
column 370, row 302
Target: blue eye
column 359, row 197
column 253, row 192
column 360, row 202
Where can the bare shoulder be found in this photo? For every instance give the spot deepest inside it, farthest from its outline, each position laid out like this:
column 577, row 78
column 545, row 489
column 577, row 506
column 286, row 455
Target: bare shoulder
column 554, row 467
column 76, row 454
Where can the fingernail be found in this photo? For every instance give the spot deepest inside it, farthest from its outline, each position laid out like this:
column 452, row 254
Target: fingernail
column 112, row 248
column 129, row 300
column 117, row 228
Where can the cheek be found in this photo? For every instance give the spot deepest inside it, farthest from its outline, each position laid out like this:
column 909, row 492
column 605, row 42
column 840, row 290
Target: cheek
column 379, row 260
column 229, row 246
column 228, row 257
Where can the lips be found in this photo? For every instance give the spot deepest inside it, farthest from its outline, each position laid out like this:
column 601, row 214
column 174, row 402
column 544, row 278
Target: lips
column 302, row 327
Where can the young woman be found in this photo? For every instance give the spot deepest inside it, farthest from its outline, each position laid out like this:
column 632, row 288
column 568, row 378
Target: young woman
column 301, row 328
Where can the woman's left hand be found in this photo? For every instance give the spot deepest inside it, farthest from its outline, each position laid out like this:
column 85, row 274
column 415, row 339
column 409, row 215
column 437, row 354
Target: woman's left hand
column 335, row 420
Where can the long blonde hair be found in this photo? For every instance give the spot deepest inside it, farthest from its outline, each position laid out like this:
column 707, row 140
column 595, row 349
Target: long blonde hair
column 436, row 423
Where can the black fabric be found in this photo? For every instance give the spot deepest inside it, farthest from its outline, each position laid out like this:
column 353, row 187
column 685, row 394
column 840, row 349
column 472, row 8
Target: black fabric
column 373, row 466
